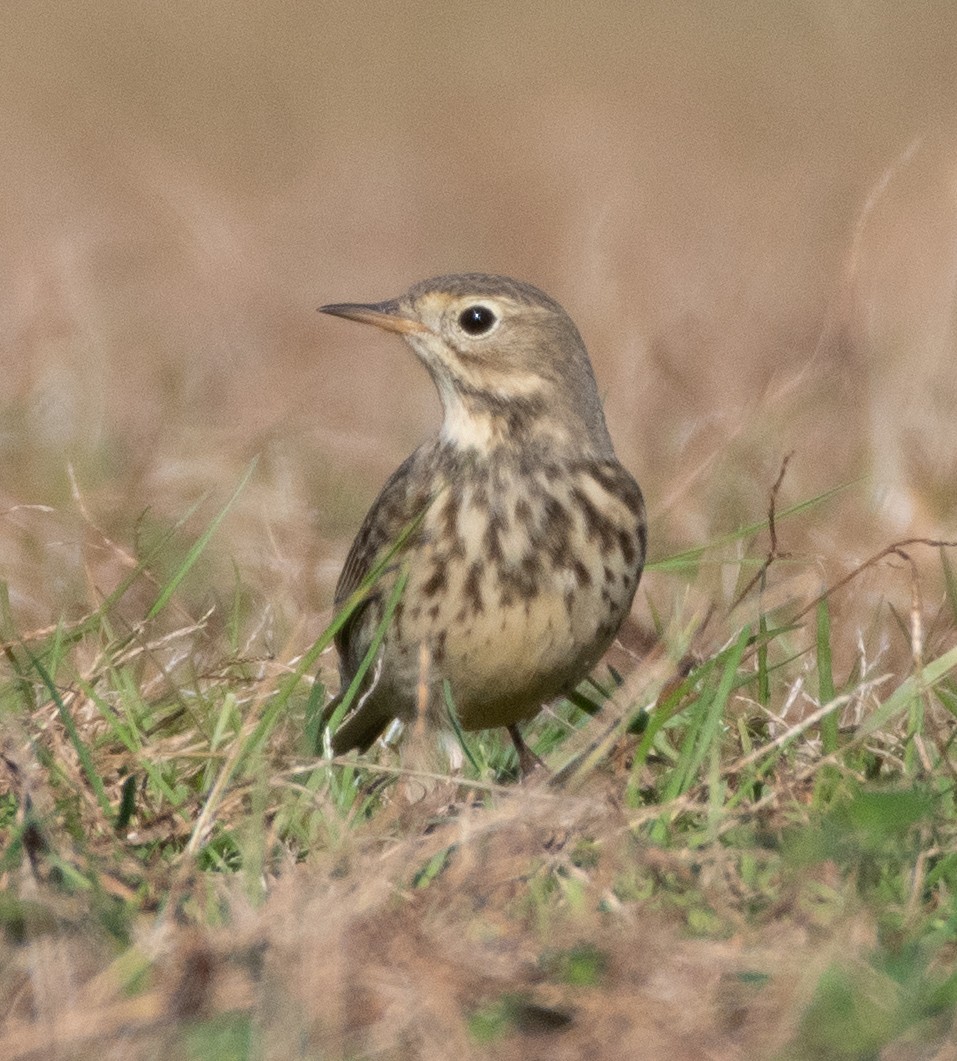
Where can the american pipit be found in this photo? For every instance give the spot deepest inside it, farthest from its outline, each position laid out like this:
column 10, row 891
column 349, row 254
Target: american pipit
column 531, row 536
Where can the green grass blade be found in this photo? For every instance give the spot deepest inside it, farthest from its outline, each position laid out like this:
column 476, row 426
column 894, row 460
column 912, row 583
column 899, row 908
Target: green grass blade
column 199, row 546
column 764, row 678
column 709, row 713
column 457, row 727
column 692, row 557
column 902, row 697
column 82, row 751
column 309, row 658
column 372, row 652
column 950, row 583
column 825, row 676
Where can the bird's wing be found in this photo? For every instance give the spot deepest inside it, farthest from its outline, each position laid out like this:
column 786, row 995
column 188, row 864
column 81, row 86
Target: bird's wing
column 359, row 561
column 391, row 512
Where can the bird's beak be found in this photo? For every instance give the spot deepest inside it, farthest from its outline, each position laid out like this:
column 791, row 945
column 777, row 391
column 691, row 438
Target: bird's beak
column 389, row 315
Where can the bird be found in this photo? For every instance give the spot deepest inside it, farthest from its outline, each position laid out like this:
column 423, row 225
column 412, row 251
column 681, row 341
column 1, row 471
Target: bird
column 521, row 538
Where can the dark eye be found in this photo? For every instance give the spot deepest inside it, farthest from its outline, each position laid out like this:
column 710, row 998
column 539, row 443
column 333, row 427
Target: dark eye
column 477, row 320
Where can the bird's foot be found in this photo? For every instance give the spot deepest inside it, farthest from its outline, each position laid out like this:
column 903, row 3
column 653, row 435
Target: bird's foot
column 528, row 761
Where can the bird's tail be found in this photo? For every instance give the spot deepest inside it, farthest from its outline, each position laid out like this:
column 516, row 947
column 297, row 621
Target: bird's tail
column 358, row 730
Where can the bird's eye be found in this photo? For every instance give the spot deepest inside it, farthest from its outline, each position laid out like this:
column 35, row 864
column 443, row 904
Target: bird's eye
column 477, row 320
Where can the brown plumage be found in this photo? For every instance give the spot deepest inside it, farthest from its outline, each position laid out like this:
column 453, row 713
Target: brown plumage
column 530, row 538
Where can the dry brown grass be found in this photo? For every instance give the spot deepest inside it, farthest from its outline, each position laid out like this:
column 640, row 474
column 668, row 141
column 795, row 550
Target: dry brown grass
column 355, row 957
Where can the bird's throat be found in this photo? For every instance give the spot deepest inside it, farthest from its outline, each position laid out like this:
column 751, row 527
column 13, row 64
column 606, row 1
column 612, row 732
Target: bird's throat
column 466, row 428
column 485, row 422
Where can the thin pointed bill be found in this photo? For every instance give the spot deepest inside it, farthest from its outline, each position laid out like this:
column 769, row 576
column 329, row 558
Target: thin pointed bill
column 388, row 315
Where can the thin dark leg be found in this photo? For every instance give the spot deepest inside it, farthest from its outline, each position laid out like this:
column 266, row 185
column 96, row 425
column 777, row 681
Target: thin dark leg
column 528, row 761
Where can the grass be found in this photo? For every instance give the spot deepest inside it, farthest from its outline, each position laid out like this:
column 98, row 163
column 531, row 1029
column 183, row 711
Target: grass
column 747, row 851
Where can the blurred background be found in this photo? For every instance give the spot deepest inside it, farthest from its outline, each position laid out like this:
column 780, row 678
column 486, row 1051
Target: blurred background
column 750, row 210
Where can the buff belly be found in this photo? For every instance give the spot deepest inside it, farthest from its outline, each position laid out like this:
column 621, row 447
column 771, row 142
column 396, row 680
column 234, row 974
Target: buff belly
column 514, row 607
column 502, row 663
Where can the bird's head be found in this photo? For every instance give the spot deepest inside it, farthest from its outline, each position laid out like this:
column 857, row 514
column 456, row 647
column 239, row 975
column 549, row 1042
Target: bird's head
column 508, row 362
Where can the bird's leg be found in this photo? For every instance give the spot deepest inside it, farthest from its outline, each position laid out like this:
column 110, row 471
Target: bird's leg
column 528, row 761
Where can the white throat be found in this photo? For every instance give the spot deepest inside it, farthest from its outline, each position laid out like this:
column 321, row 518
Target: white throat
column 467, row 428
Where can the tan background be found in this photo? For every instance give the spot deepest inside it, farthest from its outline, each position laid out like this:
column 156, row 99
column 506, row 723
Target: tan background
column 749, row 209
